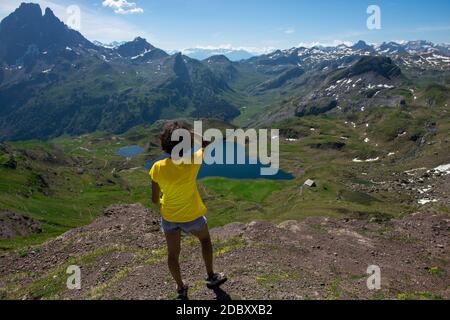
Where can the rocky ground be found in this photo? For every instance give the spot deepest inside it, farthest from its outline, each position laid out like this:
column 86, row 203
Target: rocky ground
column 122, row 256
column 420, row 186
column 13, row 225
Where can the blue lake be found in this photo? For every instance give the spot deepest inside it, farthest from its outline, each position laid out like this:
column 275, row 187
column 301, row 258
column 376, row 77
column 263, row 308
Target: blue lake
column 130, row 151
column 232, row 171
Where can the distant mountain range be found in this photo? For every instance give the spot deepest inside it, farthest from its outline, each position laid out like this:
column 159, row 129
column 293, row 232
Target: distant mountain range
column 195, row 53
column 231, row 54
column 53, row 81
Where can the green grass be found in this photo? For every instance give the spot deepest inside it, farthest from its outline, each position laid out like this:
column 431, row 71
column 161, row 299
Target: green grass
column 273, row 279
column 436, row 271
column 421, row 295
column 437, row 93
column 252, row 191
column 393, row 122
column 335, row 290
column 223, row 247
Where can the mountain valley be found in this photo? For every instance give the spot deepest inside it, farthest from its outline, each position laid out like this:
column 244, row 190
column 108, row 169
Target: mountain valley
column 367, row 124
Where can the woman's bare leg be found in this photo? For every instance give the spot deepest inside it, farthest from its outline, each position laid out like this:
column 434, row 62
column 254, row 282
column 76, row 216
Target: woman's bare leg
column 207, row 249
column 174, row 247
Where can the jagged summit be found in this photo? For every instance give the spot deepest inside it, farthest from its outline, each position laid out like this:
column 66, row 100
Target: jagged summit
column 27, row 32
column 49, row 13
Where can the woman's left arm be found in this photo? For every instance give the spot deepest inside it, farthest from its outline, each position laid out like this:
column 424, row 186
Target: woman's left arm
column 156, row 193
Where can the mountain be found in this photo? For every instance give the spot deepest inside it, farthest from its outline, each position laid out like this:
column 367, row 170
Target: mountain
column 342, row 79
column 204, row 53
column 138, row 46
column 222, row 66
column 391, row 48
column 365, row 84
column 26, row 34
column 139, row 50
column 380, row 66
column 413, row 54
column 54, row 82
column 420, row 46
column 362, row 46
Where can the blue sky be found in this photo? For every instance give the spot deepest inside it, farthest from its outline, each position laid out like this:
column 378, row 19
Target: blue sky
column 256, row 25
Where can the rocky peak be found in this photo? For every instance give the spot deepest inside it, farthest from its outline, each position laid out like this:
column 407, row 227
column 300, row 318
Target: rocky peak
column 362, row 45
column 28, row 11
column 135, row 48
column 27, row 28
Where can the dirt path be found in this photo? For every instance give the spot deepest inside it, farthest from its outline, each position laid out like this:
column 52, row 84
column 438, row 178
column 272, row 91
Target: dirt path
column 122, row 256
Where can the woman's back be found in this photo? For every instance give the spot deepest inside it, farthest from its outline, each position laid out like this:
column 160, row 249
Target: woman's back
column 181, row 201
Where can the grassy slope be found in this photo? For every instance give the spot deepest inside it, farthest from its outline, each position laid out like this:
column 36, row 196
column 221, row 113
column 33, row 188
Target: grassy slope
column 75, row 199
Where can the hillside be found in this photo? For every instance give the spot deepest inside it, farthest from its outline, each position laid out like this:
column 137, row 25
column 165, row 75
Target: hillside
column 380, row 161
column 122, row 256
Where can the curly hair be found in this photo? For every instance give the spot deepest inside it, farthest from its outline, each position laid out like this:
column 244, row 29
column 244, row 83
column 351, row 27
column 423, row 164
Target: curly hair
column 167, row 144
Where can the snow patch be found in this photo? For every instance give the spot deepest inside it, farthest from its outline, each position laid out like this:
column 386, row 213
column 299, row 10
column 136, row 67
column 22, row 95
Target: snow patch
column 445, row 169
column 425, row 201
column 367, row 160
column 425, row 190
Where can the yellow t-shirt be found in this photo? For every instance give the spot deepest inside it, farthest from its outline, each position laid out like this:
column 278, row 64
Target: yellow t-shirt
column 181, row 201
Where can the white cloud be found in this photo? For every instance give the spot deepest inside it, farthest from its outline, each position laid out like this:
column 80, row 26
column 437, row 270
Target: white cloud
column 333, row 43
column 401, row 41
column 94, row 24
column 122, row 6
column 289, row 31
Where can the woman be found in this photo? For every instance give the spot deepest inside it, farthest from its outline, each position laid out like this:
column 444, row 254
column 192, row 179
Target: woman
column 182, row 208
